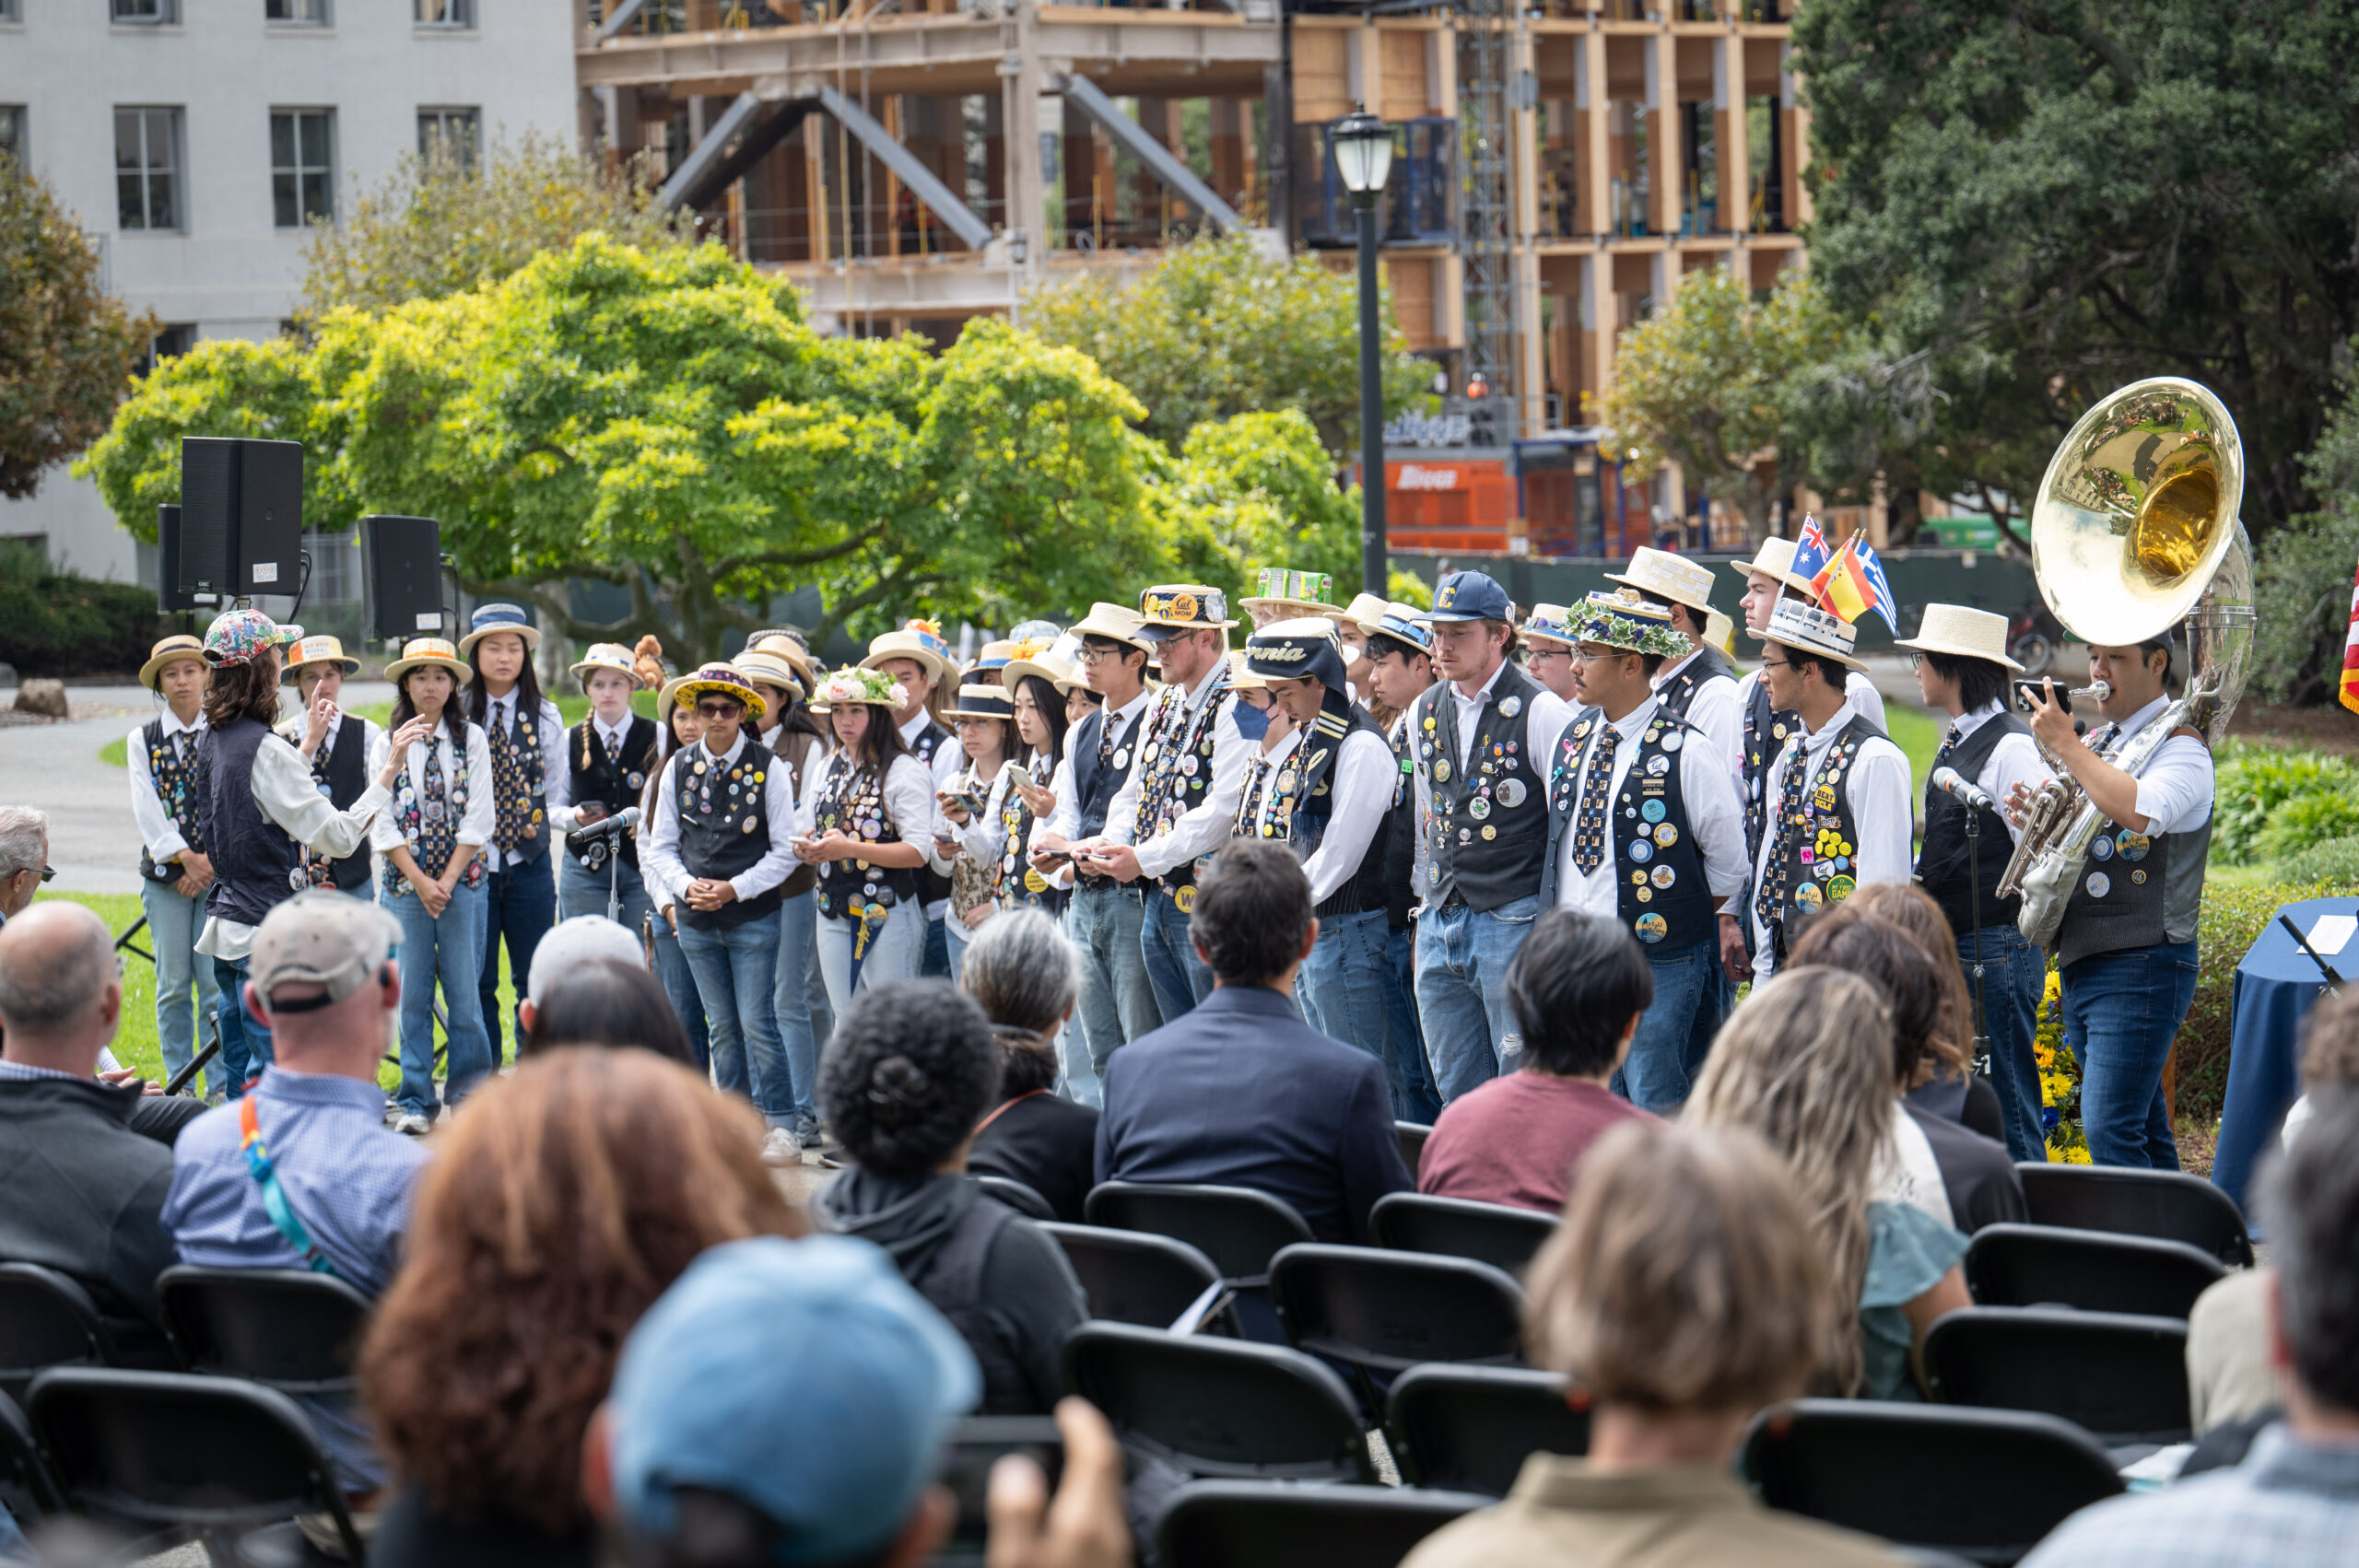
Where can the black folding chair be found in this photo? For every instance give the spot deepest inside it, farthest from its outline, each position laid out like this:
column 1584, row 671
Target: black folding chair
column 1984, row 1484
column 1411, row 1136
column 1024, row 1199
column 26, row 1489
column 1460, row 1227
column 1381, row 1313
column 46, row 1319
column 1135, row 1276
column 2120, row 1377
column 1219, row 1407
column 1229, row 1523
column 2094, row 1271
column 171, row 1457
column 1470, row 1428
column 285, row 1329
column 1239, row 1229
column 2166, row 1205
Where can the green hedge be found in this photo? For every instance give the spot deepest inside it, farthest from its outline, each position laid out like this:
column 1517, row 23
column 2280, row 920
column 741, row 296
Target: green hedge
column 2276, row 801
column 2336, row 860
column 54, row 623
column 2232, row 918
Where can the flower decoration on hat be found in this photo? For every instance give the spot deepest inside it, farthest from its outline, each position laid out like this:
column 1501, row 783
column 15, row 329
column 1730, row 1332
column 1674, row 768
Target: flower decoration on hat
column 1624, row 620
column 855, row 684
column 1030, row 648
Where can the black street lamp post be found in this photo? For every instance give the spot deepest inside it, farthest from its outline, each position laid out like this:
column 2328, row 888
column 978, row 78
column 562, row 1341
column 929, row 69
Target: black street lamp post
column 1363, row 146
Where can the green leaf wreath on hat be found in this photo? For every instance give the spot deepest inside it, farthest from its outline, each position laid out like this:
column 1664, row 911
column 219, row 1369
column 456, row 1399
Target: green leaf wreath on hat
column 1619, row 620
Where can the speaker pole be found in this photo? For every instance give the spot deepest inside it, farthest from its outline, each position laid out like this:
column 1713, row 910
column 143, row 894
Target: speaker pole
column 450, row 598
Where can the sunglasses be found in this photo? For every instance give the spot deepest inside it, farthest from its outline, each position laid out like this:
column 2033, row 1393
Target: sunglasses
column 719, row 709
column 48, row 873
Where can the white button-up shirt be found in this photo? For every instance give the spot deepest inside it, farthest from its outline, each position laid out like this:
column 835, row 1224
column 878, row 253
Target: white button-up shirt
column 1546, row 714
column 1123, row 723
column 1205, row 826
column 2175, row 787
column 1883, row 810
column 2014, row 760
column 474, row 823
column 1361, row 788
column 1715, row 817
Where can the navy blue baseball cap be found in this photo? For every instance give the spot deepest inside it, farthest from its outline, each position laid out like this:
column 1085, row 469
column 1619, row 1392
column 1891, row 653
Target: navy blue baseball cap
column 1469, row 596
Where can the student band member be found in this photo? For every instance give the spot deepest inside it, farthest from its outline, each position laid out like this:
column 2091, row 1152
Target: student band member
column 1644, row 830
column 1029, row 803
column 782, row 675
column 1838, row 790
column 431, row 840
column 1962, row 670
column 1265, row 806
column 680, row 730
column 721, row 845
column 1351, row 629
column 175, row 871
column 1181, row 800
column 529, row 782
column 970, row 806
column 1480, row 737
column 2126, row 949
column 1401, row 670
column 608, row 757
column 337, row 746
column 1697, row 684
column 1547, row 639
column 917, row 660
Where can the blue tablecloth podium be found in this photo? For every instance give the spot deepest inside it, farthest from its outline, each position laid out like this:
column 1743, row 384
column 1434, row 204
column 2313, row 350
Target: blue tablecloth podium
column 2275, row 984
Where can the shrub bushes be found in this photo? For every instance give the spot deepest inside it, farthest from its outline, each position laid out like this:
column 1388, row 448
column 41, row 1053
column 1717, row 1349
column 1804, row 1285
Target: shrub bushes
column 2274, row 802
column 2232, row 918
column 54, row 623
column 2335, row 860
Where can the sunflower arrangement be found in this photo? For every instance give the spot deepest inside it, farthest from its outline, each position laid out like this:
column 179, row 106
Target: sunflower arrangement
column 2060, row 1079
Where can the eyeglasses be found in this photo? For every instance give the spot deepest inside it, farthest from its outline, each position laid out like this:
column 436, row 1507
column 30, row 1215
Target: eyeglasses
column 1777, row 663
column 1916, row 663
column 1092, row 653
column 719, row 709
column 1535, row 655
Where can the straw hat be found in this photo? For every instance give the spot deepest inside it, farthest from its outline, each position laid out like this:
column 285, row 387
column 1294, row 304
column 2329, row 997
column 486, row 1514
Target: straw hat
column 1806, row 628
column 982, row 702
column 1059, row 664
column 1775, row 558
column 321, row 649
column 919, row 640
column 770, row 666
column 789, row 647
column 179, row 646
column 490, row 618
column 726, row 679
column 859, row 686
column 1402, row 623
column 1241, row 677
column 1282, row 594
column 1550, row 623
column 1364, row 608
column 420, row 652
column 1170, row 608
column 1115, row 623
column 1966, row 634
column 1626, row 619
column 1674, row 579
column 610, row 655
column 1720, row 632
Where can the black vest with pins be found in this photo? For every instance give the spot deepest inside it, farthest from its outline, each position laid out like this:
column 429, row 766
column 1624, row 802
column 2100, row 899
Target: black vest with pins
column 1487, row 844
column 614, row 784
column 852, row 798
column 1822, row 867
column 1660, row 889
column 343, row 779
column 2136, row 890
column 1096, row 783
column 1680, row 690
column 175, row 781
column 724, row 827
column 1179, row 769
column 936, row 886
column 1314, row 809
column 257, row 866
column 1947, row 866
column 1765, row 737
column 1399, row 833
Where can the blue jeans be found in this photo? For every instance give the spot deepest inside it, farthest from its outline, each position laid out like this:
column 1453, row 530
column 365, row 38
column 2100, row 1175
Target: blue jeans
column 1116, row 999
column 1180, row 979
column 895, row 950
column 520, row 905
column 798, row 960
column 954, row 929
column 937, row 963
column 1414, row 1096
column 245, row 1045
column 1462, row 958
column 1675, row 1034
column 2121, row 1013
column 448, row 947
column 2014, row 973
column 736, row 971
column 580, row 891
column 680, row 985
column 1341, row 986
column 173, row 924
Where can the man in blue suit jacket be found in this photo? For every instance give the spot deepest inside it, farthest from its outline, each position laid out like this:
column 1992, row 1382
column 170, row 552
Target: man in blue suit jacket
column 1242, row 1093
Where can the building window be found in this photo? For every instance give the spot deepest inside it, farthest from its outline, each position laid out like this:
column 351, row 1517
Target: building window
column 145, row 13
column 452, row 136
column 302, row 165
column 445, row 13
column 9, row 11
column 297, row 13
column 170, row 344
column 147, row 169
column 12, row 130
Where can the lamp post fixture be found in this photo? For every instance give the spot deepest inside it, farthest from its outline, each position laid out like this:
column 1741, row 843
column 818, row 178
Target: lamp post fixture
column 1363, row 147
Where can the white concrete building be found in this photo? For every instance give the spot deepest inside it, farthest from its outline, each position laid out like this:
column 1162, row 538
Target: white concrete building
column 195, row 139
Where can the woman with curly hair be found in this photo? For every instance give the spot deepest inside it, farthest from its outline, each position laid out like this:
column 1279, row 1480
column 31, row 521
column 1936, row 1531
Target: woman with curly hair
column 560, row 1206
column 911, row 1069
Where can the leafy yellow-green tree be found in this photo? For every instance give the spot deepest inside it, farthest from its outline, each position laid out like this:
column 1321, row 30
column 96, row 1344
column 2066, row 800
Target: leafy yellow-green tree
column 1219, row 327
column 1257, row 490
column 67, row 349
column 1707, row 383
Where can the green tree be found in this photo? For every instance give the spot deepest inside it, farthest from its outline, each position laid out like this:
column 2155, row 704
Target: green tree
column 2051, row 199
column 666, row 422
column 454, row 220
column 1218, row 328
column 1708, row 384
column 67, row 349
column 1257, row 490
column 2302, row 572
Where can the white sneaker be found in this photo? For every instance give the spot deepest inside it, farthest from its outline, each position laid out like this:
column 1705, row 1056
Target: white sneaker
column 781, row 1148
column 413, row 1124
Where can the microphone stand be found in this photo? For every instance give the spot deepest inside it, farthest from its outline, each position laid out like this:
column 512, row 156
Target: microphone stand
column 1974, row 895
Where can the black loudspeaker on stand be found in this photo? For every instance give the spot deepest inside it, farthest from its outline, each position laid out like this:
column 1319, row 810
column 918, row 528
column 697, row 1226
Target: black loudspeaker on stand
column 402, row 556
column 168, row 597
column 241, row 518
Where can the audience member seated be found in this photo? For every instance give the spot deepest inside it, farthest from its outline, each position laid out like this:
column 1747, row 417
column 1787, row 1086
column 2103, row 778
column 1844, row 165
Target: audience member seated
column 1241, row 1091
column 788, row 1402
column 1976, row 1176
column 1022, row 973
column 2329, row 1054
column 605, row 1001
column 323, row 980
column 85, row 1193
column 1683, row 1292
column 1578, row 986
column 2295, row 1497
column 911, row 1071
column 1806, row 1063
column 1946, row 1084
column 568, row 1198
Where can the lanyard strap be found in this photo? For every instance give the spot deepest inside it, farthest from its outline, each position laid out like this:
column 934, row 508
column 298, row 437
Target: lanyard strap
column 275, row 1200
column 1004, row 1107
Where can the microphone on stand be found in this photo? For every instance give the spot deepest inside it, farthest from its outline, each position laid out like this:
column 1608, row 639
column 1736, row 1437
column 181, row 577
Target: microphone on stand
column 1952, row 783
column 605, row 827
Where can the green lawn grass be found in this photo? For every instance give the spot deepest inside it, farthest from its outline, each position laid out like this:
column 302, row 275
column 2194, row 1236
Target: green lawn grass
column 134, row 1042
column 1915, row 733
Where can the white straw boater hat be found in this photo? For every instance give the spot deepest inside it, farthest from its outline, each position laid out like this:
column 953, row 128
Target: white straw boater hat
column 1170, row 608
column 1115, row 623
column 1720, row 632
column 1809, row 629
column 1363, row 609
column 1282, row 594
column 1550, row 623
column 983, row 702
column 1662, row 576
column 610, row 655
column 1628, row 620
column 1966, row 634
column 859, row 686
column 726, row 679
column 918, row 640
column 1057, row 662
column 321, row 649
column 420, row 652
column 490, row 618
column 180, row 645
column 1775, row 558
column 771, row 667
column 1399, row 621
